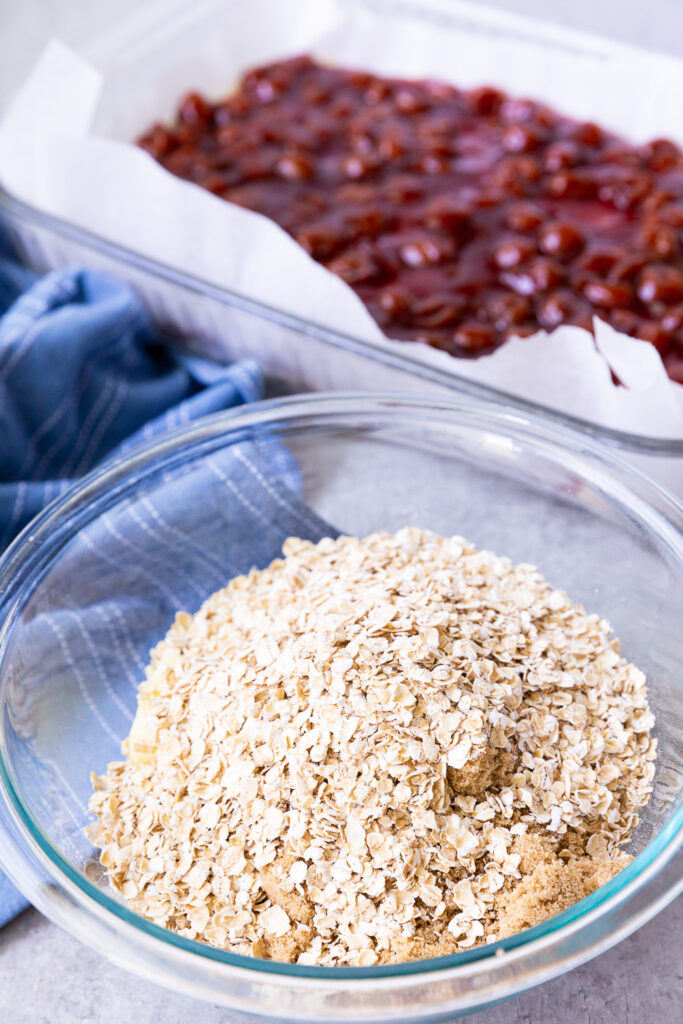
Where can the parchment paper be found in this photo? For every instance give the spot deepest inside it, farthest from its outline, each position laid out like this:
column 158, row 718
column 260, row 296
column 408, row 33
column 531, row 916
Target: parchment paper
column 65, row 147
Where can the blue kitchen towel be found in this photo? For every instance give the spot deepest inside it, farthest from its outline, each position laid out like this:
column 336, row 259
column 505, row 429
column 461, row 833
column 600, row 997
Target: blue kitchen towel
column 81, row 373
column 84, row 375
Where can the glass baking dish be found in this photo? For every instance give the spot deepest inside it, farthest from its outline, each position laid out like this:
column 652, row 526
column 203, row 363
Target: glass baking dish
column 227, row 324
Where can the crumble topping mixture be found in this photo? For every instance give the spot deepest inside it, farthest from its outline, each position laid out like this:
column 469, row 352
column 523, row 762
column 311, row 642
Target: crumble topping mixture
column 376, row 750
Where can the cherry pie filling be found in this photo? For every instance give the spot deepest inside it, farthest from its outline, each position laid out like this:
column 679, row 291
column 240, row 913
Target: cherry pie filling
column 459, row 217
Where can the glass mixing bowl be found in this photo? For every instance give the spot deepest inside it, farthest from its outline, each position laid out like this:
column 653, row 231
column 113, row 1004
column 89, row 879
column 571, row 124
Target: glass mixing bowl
column 95, row 580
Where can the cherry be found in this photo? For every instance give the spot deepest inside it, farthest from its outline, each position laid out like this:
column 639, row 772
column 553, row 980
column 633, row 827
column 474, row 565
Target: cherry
column 438, row 310
column 520, row 138
column 561, row 155
column 546, row 273
column 672, row 319
column 515, row 175
column 626, row 191
column 448, row 214
column 512, row 252
column 629, row 266
column 659, row 283
column 588, row 134
column 598, row 261
column 524, row 216
column 396, row 301
column 193, row 109
column 159, row 141
column 611, row 296
column 320, row 240
column 356, row 166
column 661, row 154
column 474, row 337
column 485, row 100
column 507, row 310
column 358, row 267
column 575, row 184
column 562, row 239
column 660, row 239
column 424, row 250
column 295, row 167
column 555, row 309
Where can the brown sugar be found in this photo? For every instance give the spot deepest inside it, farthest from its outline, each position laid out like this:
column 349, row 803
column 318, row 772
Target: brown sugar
column 550, row 884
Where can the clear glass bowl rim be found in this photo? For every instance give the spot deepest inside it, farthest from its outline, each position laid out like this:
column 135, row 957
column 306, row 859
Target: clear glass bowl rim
column 27, row 558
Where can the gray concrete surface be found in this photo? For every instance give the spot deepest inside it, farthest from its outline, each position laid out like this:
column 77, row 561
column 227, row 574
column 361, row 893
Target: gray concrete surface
column 48, row 978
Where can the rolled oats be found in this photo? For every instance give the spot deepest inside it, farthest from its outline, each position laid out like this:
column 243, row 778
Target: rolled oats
column 376, row 750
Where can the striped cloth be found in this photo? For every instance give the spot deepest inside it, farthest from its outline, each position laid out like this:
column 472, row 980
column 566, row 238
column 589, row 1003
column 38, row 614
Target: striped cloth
column 83, row 376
